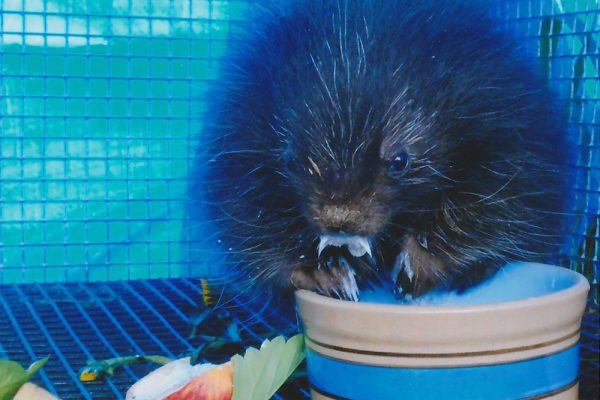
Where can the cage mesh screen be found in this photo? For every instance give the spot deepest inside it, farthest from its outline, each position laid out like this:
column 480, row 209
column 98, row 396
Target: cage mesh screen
column 565, row 34
column 98, row 127
column 97, row 131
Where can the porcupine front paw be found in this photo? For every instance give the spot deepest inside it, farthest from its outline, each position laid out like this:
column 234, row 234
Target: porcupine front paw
column 334, row 274
column 338, row 282
column 416, row 269
column 338, row 273
column 334, row 278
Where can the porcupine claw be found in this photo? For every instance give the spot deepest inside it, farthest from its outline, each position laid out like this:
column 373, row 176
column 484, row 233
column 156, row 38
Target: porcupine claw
column 369, row 272
column 341, row 280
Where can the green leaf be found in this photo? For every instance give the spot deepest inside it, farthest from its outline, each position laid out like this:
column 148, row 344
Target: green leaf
column 259, row 373
column 36, row 366
column 13, row 376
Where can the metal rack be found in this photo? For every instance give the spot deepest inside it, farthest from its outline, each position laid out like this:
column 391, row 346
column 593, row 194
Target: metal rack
column 74, row 322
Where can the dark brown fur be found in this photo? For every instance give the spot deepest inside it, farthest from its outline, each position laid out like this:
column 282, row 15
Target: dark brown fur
column 320, row 99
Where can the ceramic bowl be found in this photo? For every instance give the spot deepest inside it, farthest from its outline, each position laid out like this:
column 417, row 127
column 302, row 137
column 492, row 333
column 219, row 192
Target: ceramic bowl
column 492, row 342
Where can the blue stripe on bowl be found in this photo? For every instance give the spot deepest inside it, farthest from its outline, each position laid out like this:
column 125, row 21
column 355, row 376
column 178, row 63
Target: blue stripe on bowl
column 518, row 380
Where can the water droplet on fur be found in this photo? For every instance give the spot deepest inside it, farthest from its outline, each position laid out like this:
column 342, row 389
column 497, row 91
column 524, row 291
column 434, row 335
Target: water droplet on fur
column 422, row 239
column 344, row 263
column 330, row 262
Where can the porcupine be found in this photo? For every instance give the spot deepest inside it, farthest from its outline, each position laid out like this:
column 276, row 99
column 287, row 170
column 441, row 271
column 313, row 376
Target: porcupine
column 354, row 141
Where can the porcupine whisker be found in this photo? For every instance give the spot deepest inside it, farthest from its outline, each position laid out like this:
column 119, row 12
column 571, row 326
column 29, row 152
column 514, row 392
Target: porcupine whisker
column 502, row 200
column 227, row 303
column 256, row 316
column 478, row 204
column 440, row 174
column 430, row 149
column 235, row 152
column 322, row 79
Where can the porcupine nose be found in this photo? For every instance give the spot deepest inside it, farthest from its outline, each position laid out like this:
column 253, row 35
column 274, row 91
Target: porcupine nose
column 339, row 218
column 347, row 204
column 339, row 213
column 360, row 215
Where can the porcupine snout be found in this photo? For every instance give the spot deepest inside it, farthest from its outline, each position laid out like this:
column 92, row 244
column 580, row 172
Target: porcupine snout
column 346, row 236
column 346, row 200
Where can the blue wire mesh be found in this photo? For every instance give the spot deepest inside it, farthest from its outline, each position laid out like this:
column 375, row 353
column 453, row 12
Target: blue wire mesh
column 565, row 35
column 97, row 131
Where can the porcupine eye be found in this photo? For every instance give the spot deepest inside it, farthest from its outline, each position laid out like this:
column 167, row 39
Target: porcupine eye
column 399, row 163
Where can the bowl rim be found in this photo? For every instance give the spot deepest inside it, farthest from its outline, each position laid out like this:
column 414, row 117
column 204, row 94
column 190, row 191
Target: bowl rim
column 580, row 284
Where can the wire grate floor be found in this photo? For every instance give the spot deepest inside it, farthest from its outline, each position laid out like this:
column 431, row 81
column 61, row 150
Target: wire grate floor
column 77, row 321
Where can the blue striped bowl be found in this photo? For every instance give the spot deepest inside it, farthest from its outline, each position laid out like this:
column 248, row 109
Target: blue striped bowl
column 524, row 348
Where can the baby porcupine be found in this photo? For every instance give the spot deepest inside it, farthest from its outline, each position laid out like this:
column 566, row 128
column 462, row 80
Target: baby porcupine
column 352, row 141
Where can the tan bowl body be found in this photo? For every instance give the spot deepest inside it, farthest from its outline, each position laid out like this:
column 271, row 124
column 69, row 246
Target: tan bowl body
column 417, row 336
